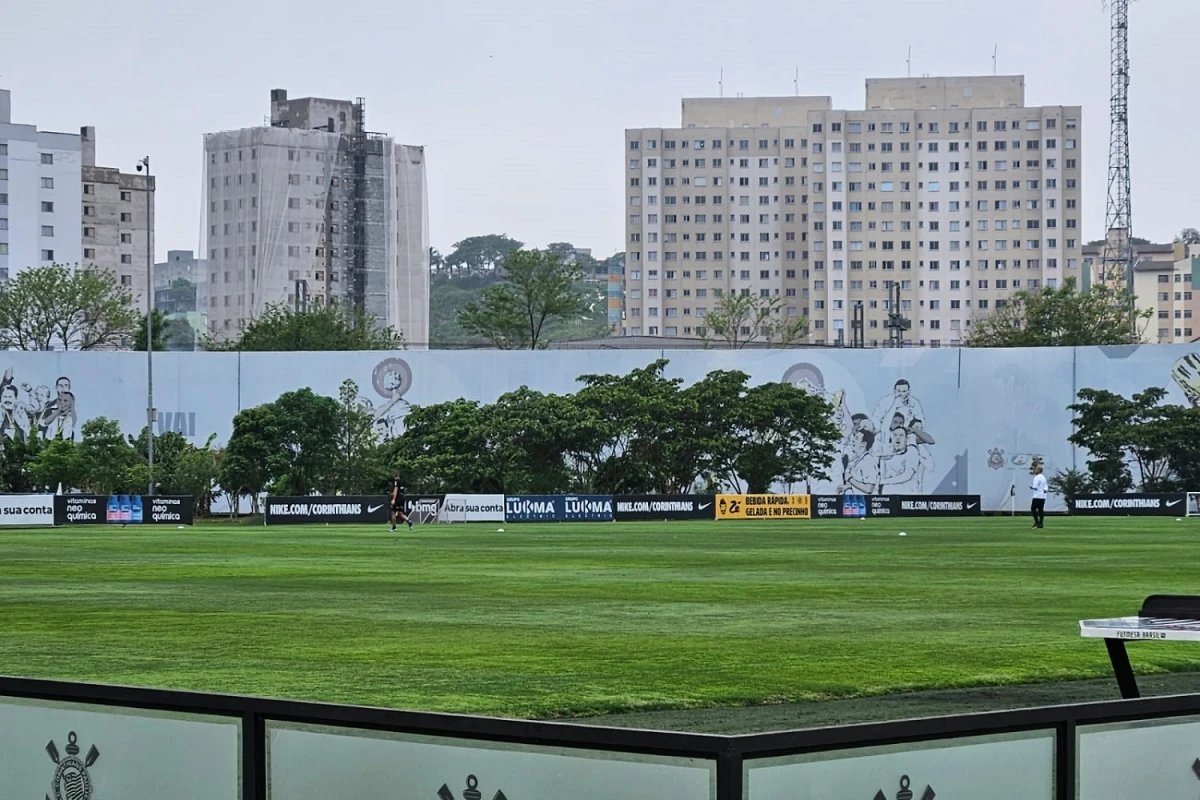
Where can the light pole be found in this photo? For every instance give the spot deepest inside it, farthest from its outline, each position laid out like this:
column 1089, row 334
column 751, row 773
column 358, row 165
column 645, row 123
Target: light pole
column 145, row 163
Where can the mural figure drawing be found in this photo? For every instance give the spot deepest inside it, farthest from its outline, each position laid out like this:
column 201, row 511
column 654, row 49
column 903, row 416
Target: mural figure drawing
column 391, row 379
column 29, row 413
column 885, row 452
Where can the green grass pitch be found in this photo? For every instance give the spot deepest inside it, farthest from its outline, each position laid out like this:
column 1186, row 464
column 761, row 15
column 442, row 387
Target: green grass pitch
column 551, row 620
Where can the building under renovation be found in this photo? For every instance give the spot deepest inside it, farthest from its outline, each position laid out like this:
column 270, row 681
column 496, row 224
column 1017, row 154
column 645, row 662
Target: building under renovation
column 316, row 209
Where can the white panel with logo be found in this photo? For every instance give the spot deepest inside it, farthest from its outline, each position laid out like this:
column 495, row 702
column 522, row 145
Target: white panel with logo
column 91, row 753
column 977, row 768
column 317, row 763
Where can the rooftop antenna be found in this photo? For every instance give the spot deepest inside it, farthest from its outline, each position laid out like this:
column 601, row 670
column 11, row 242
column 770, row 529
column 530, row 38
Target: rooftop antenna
column 995, row 53
column 797, row 82
column 908, row 63
column 721, row 83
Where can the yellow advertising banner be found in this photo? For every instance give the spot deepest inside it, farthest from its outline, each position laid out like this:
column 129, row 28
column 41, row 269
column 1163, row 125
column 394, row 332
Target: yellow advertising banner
column 764, row 506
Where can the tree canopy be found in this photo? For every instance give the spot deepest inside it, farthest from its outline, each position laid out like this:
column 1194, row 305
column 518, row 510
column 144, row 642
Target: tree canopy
column 738, row 320
column 322, row 327
column 633, row 433
column 54, row 306
column 1061, row 317
column 539, row 289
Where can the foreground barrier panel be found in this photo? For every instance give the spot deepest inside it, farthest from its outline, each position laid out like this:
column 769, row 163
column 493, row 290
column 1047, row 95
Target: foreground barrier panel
column 92, row 742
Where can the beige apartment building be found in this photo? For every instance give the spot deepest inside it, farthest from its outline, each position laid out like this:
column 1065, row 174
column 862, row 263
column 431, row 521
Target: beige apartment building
column 118, row 210
column 1165, row 288
column 949, row 187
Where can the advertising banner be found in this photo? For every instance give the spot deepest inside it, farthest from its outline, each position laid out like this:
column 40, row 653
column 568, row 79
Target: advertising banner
column 664, row 506
column 534, row 508
column 472, row 508
column 1127, row 505
column 123, row 509
column 588, row 508
column 79, row 752
column 328, row 509
column 422, row 507
column 764, row 506
column 308, row 762
column 857, row 506
column 26, row 509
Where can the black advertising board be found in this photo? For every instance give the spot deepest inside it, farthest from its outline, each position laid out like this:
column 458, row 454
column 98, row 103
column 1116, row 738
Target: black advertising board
column 123, row 509
column 663, row 506
column 1123, row 505
column 337, row 509
column 852, row 506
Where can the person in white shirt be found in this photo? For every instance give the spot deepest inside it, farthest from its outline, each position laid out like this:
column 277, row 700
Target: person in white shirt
column 1038, row 507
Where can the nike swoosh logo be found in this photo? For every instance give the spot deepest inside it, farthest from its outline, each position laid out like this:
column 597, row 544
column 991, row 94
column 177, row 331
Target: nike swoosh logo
column 706, row 505
column 1173, row 503
column 971, row 505
column 373, row 509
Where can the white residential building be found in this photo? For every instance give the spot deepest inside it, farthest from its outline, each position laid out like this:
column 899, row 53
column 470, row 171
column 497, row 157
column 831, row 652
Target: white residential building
column 40, row 213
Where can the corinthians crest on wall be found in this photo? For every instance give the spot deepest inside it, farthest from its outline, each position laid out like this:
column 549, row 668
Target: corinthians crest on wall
column 71, row 779
column 472, row 791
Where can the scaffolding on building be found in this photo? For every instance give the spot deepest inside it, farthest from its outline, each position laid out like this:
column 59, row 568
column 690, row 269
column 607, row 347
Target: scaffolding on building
column 356, row 264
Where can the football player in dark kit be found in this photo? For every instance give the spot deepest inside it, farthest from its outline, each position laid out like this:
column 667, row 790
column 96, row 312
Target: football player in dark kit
column 398, row 502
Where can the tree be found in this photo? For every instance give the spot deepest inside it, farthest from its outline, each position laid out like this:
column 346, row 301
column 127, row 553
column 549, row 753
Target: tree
column 251, row 455
column 1061, row 317
column 1188, row 236
column 438, row 450
column 738, row 320
column 280, row 328
column 1116, row 431
column 106, row 460
column 479, row 255
column 1069, row 484
column 307, row 428
column 158, row 321
column 513, row 315
column 57, row 463
column 78, row 309
column 355, row 466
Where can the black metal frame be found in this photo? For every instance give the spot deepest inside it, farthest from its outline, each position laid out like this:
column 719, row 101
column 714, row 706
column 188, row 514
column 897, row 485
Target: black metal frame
column 732, row 755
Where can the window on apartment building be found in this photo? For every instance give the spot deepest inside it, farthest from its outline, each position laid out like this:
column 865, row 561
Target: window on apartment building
column 47, row 255
column 47, row 183
column 126, row 258
column 48, row 230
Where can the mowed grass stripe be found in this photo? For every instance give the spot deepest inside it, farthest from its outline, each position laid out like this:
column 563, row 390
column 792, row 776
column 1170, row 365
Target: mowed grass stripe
column 546, row 620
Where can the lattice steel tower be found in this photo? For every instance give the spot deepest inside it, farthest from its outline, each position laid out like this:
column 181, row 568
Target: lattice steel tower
column 1118, row 258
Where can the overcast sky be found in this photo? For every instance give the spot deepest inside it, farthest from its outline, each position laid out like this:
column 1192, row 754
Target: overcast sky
column 522, row 105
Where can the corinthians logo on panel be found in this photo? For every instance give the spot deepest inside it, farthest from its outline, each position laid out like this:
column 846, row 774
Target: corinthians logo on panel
column 470, row 793
column 906, row 793
column 71, row 779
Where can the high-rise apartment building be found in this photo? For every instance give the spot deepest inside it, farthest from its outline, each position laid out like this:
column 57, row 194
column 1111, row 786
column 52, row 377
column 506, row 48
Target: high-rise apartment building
column 117, row 212
column 949, row 187
column 316, row 209
column 1167, row 289
column 39, row 195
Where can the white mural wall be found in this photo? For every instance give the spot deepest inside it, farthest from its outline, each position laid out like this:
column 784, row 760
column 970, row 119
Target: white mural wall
column 914, row 421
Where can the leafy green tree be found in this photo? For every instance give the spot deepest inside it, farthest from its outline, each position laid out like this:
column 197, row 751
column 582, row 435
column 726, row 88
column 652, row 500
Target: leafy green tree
column 307, row 426
column 195, row 476
column 513, row 315
column 1117, row 431
column 438, row 451
column 170, row 333
column 480, row 255
column 738, row 320
column 1061, row 317
column 251, row 456
column 1069, row 484
column 106, row 459
column 16, row 456
column 322, row 328
column 56, row 464
column 79, row 309
column 356, row 465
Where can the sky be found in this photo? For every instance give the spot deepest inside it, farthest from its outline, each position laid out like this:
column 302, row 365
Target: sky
column 522, row 105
